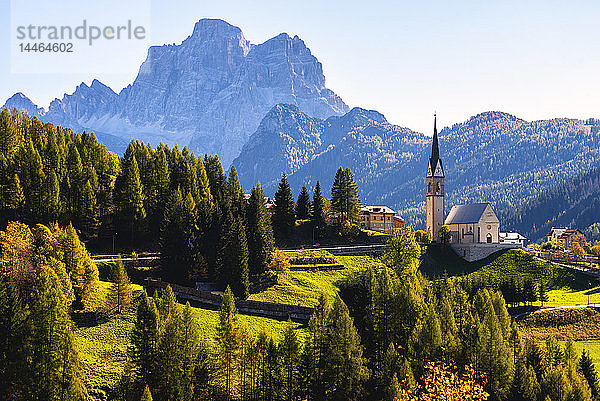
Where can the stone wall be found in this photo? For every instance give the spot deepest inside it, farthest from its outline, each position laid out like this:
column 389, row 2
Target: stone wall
column 473, row 252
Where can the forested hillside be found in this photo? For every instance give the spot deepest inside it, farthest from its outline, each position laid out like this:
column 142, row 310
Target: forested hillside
column 574, row 203
column 493, row 156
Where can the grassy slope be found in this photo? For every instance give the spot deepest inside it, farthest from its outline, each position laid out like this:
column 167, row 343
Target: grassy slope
column 305, row 287
column 514, row 263
column 580, row 324
column 103, row 347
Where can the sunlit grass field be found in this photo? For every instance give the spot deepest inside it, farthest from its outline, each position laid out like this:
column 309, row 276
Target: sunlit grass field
column 103, row 347
column 305, row 287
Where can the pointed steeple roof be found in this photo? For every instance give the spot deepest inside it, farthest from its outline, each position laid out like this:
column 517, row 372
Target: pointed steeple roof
column 435, row 151
column 434, row 159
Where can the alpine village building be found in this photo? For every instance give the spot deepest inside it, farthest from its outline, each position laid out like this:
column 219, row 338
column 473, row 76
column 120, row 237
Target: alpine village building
column 474, row 228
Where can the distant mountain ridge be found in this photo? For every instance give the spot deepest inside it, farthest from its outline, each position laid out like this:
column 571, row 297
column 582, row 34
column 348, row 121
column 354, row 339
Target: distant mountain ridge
column 493, row 156
column 210, row 92
column 574, row 203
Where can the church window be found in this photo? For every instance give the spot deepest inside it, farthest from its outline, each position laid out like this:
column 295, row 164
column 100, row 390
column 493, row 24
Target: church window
column 429, row 188
column 489, row 238
column 438, row 188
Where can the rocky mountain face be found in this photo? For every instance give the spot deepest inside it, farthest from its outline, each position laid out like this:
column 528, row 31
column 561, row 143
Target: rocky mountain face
column 493, row 157
column 22, row 102
column 210, row 92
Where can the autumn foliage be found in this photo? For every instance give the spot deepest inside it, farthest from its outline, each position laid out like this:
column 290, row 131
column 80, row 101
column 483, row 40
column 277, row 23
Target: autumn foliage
column 442, row 381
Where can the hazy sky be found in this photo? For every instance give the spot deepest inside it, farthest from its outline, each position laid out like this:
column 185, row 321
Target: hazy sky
column 535, row 59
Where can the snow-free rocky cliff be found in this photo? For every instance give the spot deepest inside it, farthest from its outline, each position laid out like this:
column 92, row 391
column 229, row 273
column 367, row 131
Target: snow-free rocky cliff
column 210, row 92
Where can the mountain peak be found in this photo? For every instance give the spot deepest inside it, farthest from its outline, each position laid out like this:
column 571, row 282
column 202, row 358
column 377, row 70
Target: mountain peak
column 21, row 102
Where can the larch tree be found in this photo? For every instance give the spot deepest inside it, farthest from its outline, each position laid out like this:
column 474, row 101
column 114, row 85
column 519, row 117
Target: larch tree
column 228, row 339
column 119, row 296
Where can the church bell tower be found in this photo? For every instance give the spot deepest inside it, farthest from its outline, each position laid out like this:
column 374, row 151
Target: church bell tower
column 434, row 182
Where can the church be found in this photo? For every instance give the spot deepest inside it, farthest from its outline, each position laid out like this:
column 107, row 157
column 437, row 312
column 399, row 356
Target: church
column 474, row 228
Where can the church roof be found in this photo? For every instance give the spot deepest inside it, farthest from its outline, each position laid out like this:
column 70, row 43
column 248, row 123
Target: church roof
column 434, row 159
column 462, row 214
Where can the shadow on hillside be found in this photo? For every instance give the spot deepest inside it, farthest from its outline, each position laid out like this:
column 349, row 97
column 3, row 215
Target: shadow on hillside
column 85, row 319
column 437, row 260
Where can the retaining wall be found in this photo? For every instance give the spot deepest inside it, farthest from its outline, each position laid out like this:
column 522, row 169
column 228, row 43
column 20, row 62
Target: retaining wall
column 473, row 252
column 259, row 308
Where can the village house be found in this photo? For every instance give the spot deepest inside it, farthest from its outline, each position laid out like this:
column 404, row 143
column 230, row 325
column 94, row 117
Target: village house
column 378, row 218
column 563, row 237
column 512, row 238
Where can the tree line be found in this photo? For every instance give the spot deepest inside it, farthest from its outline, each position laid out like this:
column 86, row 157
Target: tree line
column 167, row 199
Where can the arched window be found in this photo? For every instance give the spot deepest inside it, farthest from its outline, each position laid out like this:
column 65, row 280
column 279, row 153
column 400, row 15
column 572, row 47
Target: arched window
column 429, row 188
column 438, row 188
column 489, row 238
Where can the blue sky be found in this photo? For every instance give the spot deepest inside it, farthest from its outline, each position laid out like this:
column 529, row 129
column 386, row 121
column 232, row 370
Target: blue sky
column 534, row 59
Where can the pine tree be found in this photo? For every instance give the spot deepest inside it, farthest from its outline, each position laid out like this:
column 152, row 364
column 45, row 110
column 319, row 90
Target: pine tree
column 586, row 364
column 344, row 370
column 338, row 195
column 13, row 341
column 119, row 297
column 9, row 138
column 53, row 371
column 290, row 353
column 303, row 207
column 344, row 196
column 260, row 233
column 216, row 179
column 144, row 340
column 80, row 267
column 232, row 261
column 131, row 200
column 178, row 239
column 52, row 198
column 284, row 217
column 319, row 221
column 228, row 338
column 236, row 195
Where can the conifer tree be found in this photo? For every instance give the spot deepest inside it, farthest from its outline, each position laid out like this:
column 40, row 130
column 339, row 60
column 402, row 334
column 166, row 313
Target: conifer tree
column 228, row 338
column 232, row 262
column 9, row 138
column 236, row 195
column 53, row 371
column 344, row 196
column 131, row 200
column 159, row 189
column 216, row 179
column 260, row 233
column 319, row 221
column 290, row 354
column 179, row 239
column 144, row 340
column 13, row 341
column 284, row 217
column 119, row 297
column 52, row 198
column 303, row 207
column 80, row 267
column 586, row 364
column 344, row 370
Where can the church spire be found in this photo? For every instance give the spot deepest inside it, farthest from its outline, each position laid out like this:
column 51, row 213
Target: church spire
column 435, row 151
